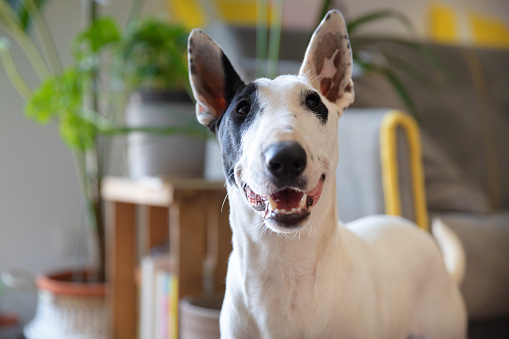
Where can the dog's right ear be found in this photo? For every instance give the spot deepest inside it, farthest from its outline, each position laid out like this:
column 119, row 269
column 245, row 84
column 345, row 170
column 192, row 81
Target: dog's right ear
column 213, row 79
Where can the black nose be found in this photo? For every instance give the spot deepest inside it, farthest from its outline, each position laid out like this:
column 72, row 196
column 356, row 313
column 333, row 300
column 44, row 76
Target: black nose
column 285, row 160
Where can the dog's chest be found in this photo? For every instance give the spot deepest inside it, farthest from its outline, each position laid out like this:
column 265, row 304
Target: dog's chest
column 283, row 294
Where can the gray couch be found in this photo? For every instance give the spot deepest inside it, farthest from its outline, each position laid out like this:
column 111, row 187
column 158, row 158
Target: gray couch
column 464, row 141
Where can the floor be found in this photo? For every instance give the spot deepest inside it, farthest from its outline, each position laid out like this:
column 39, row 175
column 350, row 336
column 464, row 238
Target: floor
column 489, row 329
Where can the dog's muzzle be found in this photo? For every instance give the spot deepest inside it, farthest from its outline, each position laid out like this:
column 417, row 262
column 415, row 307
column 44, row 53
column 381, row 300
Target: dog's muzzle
column 289, row 205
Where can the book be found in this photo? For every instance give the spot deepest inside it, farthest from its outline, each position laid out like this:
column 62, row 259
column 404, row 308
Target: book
column 158, row 299
column 149, row 266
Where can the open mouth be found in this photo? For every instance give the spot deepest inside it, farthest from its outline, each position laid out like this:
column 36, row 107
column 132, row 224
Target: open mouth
column 287, row 206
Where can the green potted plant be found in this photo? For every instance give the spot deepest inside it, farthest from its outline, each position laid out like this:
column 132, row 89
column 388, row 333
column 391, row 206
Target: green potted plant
column 151, row 61
column 61, row 98
column 85, row 107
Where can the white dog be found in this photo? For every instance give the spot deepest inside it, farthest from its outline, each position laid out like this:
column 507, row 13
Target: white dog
column 294, row 272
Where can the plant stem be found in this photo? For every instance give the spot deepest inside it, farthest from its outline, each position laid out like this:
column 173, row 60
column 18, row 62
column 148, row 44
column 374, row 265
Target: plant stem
column 325, row 8
column 92, row 175
column 24, row 41
column 134, row 11
column 41, row 29
column 12, row 73
column 86, row 188
column 97, row 171
column 198, row 132
column 275, row 38
column 261, row 37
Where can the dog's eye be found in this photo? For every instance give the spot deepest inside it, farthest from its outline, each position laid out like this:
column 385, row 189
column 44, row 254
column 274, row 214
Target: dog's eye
column 243, row 108
column 312, row 101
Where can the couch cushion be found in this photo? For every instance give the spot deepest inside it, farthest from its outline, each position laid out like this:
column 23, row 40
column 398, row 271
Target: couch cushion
column 447, row 188
column 485, row 239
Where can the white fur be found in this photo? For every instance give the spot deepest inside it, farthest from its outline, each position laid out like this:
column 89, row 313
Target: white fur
column 378, row 277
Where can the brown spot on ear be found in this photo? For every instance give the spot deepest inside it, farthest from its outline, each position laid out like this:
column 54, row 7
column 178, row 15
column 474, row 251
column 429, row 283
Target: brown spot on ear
column 192, row 68
column 325, row 49
column 337, row 60
column 221, row 104
column 348, row 87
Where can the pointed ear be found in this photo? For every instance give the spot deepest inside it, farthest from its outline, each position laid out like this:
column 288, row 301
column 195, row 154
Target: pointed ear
column 213, row 79
column 328, row 60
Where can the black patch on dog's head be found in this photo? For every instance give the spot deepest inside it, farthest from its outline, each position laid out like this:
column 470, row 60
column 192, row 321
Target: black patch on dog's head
column 232, row 125
column 233, row 83
column 311, row 101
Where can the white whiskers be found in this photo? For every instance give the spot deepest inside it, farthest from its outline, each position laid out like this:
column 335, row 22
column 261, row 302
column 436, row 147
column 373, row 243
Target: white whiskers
column 224, row 200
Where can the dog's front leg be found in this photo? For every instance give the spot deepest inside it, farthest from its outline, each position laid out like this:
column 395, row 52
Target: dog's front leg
column 235, row 322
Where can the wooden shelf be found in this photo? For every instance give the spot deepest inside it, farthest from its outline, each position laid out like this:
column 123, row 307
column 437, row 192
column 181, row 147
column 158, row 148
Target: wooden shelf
column 185, row 211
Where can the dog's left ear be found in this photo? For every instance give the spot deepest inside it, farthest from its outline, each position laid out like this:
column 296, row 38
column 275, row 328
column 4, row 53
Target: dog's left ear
column 328, row 60
column 213, row 79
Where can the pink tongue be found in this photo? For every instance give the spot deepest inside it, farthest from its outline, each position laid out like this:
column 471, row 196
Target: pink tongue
column 287, row 198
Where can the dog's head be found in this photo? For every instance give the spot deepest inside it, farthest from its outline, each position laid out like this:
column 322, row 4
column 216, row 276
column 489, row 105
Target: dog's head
column 278, row 137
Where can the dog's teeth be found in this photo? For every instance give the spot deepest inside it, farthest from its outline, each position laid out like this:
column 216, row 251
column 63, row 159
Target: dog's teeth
column 273, row 204
column 277, row 211
column 303, row 200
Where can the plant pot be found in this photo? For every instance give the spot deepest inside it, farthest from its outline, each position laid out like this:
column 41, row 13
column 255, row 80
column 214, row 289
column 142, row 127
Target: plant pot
column 69, row 310
column 9, row 326
column 199, row 317
column 162, row 155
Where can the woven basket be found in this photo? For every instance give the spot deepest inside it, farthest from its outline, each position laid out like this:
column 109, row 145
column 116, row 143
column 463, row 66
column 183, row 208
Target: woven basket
column 199, row 317
column 69, row 310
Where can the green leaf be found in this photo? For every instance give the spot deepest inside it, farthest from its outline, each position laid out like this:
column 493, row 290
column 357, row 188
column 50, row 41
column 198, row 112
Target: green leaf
column 404, row 66
column 99, row 34
column 354, row 24
column 56, row 96
column 153, row 54
column 360, row 42
column 395, row 82
column 78, row 133
column 60, row 99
